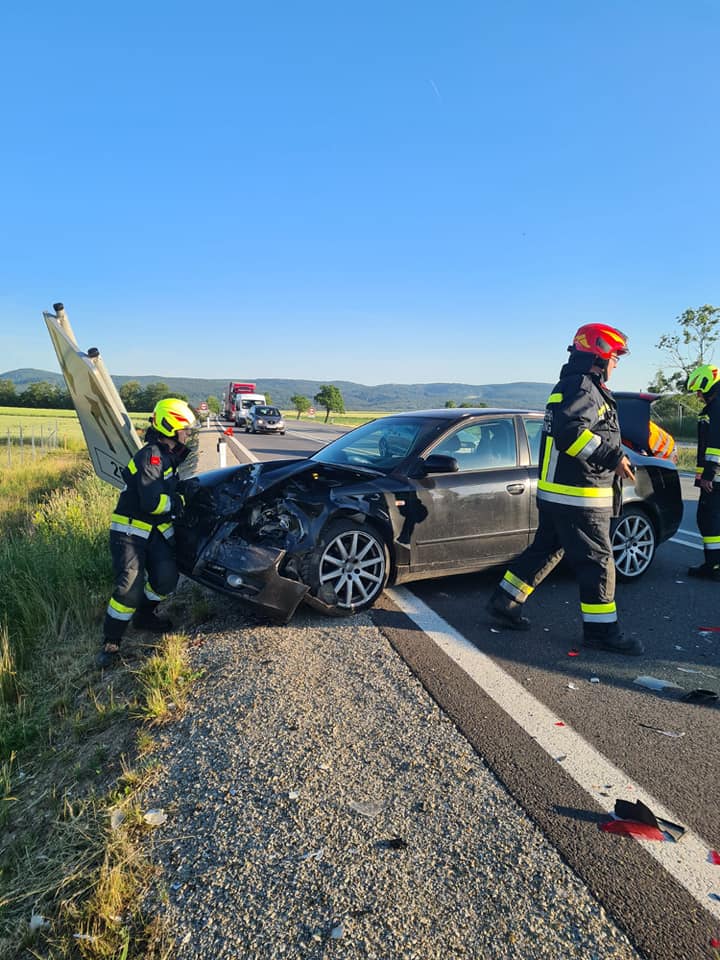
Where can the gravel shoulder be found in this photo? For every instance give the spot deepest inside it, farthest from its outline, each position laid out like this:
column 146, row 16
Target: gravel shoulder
column 320, row 804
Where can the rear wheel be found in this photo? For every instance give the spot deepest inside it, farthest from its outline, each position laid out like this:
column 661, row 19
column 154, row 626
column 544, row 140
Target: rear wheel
column 348, row 569
column 633, row 543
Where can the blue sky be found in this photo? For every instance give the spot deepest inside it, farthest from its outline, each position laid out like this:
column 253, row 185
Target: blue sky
column 376, row 191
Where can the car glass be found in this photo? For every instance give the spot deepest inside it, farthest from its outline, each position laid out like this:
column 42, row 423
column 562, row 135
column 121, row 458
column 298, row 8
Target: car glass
column 483, row 445
column 533, row 429
column 382, row 444
column 266, row 412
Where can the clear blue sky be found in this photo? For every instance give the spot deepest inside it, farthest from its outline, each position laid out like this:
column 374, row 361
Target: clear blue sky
column 376, row 191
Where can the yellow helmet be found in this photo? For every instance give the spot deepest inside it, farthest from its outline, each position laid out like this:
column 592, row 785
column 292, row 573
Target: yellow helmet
column 703, row 378
column 171, row 415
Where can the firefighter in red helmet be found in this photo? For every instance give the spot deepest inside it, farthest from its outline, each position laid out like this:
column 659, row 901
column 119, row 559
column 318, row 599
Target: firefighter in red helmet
column 582, row 466
column 141, row 529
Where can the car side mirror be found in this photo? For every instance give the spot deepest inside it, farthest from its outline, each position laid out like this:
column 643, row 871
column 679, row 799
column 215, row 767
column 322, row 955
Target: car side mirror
column 439, row 463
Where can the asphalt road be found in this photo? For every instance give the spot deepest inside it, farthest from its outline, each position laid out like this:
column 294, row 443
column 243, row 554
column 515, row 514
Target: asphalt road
column 541, row 718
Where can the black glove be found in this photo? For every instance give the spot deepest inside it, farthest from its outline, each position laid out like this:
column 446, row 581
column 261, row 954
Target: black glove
column 178, row 506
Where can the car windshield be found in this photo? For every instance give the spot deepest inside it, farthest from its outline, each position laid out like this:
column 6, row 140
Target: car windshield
column 267, row 412
column 382, row 444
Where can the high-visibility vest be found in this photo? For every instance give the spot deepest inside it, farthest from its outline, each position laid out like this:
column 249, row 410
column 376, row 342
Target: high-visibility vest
column 660, row 443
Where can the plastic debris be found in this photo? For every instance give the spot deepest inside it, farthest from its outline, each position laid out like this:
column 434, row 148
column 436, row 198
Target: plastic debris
column 573, row 653
column 559, row 723
column 715, row 943
column 494, row 630
column 665, row 733
column 641, row 813
column 156, row 817
column 336, row 932
column 116, row 818
column 572, row 686
column 631, row 828
column 710, row 629
column 678, row 647
column 393, row 843
column 594, row 679
column 313, row 855
column 37, row 922
column 293, row 794
column 714, row 857
column 700, row 696
column 700, row 673
column 368, row 808
column 654, row 683
column 715, row 897
column 563, row 756
column 85, row 936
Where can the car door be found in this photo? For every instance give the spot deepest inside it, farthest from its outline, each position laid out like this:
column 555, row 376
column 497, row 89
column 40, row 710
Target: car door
column 480, row 515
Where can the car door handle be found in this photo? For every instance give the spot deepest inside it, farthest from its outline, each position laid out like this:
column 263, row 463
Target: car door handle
column 515, row 488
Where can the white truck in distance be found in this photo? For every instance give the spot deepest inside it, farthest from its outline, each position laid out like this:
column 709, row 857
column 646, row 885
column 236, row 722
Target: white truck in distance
column 243, row 402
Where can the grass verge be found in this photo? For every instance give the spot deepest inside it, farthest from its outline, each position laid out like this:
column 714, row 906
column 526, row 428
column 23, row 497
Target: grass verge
column 76, row 746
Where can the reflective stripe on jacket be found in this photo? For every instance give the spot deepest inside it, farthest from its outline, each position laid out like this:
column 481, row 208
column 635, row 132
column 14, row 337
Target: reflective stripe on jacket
column 581, row 445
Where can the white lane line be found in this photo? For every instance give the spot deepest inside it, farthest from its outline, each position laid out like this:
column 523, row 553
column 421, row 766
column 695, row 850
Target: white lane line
column 686, row 861
column 244, row 450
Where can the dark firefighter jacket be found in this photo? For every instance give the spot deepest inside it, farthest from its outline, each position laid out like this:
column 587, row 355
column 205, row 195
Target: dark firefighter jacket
column 708, row 445
column 581, row 445
column 150, row 485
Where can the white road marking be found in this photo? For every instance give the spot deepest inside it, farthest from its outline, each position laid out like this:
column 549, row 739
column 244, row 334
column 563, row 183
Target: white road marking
column 686, row 861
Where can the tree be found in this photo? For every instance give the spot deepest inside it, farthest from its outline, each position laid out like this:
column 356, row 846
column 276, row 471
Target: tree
column 301, row 403
column 693, row 345
column 41, row 394
column 130, row 394
column 213, row 404
column 8, row 396
column 330, row 398
column 450, row 404
column 154, row 392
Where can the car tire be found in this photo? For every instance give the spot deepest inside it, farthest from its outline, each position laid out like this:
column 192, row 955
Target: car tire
column 282, row 433
column 247, row 429
column 343, row 592
column 633, row 542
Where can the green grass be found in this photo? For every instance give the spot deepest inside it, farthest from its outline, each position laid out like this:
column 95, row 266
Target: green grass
column 45, row 423
column 353, row 418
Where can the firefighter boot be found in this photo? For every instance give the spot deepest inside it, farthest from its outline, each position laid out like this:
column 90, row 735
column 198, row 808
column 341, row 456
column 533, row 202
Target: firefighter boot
column 506, row 611
column 109, row 654
column 607, row 636
column 705, row 571
column 144, row 618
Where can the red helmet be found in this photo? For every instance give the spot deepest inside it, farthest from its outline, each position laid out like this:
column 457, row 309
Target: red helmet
column 602, row 340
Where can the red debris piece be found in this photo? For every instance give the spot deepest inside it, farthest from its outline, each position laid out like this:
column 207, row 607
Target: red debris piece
column 573, row 653
column 559, row 723
column 714, row 629
column 630, row 828
column 715, row 943
column 228, row 432
column 714, row 857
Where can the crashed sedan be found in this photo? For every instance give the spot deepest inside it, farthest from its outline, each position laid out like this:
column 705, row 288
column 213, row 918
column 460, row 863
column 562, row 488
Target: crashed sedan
column 404, row 497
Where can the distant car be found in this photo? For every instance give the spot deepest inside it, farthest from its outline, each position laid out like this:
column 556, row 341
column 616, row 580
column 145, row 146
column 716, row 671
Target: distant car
column 262, row 419
column 404, row 497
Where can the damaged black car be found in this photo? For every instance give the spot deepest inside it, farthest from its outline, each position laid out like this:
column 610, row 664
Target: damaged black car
column 404, row 497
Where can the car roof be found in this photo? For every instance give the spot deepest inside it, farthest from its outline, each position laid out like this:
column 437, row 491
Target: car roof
column 460, row 413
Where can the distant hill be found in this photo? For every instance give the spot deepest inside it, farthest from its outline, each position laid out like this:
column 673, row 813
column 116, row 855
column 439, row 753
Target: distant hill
column 357, row 396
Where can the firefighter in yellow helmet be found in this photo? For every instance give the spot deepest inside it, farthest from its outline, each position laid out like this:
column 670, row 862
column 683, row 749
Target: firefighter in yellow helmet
column 582, row 466
column 141, row 528
column 705, row 381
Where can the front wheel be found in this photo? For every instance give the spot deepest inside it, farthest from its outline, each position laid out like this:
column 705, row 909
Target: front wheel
column 348, row 569
column 633, row 543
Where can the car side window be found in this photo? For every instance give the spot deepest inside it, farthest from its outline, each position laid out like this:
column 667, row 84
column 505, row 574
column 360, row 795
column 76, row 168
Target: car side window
column 489, row 445
column 533, row 429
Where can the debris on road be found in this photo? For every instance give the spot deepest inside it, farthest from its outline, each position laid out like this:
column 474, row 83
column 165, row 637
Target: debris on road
column 714, row 857
column 631, row 828
column 701, row 696
column 641, row 813
column 665, row 733
column 654, row 683
column 155, row 817
column 369, row 808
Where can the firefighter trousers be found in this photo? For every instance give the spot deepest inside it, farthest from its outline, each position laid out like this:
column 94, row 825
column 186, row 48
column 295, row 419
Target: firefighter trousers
column 583, row 536
column 145, row 573
column 708, row 521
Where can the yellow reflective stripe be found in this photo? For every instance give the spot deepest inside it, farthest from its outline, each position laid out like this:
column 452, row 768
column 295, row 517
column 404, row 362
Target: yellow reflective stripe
column 120, row 607
column 517, row 582
column 574, row 449
column 598, row 607
column 546, row 461
column 132, row 467
column 598, row 492
column 603, row 409
column 132, row 523
column 555, row 398
column 168, row 472
column 705, row 540
column 163, row 504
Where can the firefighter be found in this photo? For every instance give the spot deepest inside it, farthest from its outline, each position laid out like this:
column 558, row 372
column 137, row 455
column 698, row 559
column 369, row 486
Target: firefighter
column 141, row 528
column 705, row 381
column 582, row 466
